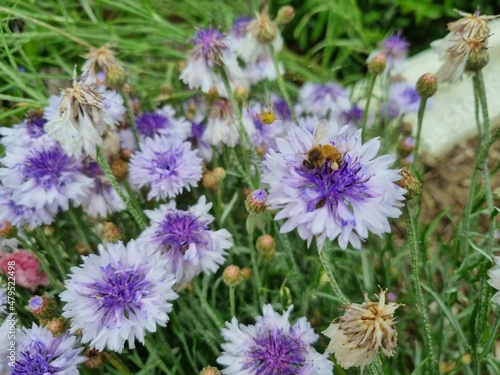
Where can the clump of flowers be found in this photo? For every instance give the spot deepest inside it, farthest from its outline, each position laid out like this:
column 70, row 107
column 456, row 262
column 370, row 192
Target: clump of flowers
column 41, row 353
column 344, row 195
column 28, row 272
column 363, row 332
column 116, row 296
column 272, row 346
column 185, row 240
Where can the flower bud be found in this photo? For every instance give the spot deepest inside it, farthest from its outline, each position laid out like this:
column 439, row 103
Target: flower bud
column 409, row 182
column 232, row 275
column 406, row 128
column 427, row 85
column 241, row 94
column 7, row 230
column 246, row 273
column 42, row 307
column 209, row 181
column 210, row 370
column 81, row 249
column 95, row 358
column 266, row 245
column 406, row 146
column 285, row 15
column 263, row 29
column 116, row 76
column 219, row 173
column 255, row 202
column 376, row 65
column 118, row 167
column 477, row 59
column 49, row 230
column 112, row 233
column 58, row 326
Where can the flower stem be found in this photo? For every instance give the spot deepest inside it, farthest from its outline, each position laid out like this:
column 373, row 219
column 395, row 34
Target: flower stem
column 78, row 226
column 131, row 116
column 281, row 85
column 232, row 303
column 253, row 257
column 117, row 363
column 56, row 258
column 414, row 248
column 369, row 95
column 326, row 266
column 159, row 362
column 421, row 111
column 138, row 215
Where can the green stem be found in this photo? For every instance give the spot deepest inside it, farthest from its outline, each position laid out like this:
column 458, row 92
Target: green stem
column 56, row 258
column 369, row 95
column 326, row 266
column 421, row 111
column 253, row 257
column 131, row 117
column 136, row 214
column 281, row 85
column 78, row 226
column 117, row 363
column 414, row 249
column 209, row 311
column 159, row 362
column 232, row 303
column 491, row 338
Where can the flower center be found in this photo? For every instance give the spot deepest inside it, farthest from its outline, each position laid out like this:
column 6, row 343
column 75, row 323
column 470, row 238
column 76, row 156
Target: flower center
column 209, row 44
column 34, row 360
column 121, row 289
column 47, row 166
column 179, row 229
column 148, row 124
column 330, row 187
column 166, row 163
column 275, row 353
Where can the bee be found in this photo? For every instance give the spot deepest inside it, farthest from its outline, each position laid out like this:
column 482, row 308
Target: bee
column 319, row 153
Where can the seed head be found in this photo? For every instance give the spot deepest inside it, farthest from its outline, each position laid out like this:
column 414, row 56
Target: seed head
column 263, row 29
column 409, row 182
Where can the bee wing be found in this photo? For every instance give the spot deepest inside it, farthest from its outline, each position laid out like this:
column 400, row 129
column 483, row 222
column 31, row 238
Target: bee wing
column 321, row 133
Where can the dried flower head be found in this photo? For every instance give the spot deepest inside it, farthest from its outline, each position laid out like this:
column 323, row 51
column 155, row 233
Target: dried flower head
column 102, row 63
column 363, row 331
column 262, row 28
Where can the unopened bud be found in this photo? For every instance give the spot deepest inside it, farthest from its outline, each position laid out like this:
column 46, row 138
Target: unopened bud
column 209, row 181
column 81, row 249
column 246, row 273
column 376, row 65
column 219, row 173
column 118, row 167
column 406, row 146
column 263, row 29
column 95, row 358
column 232, row 275
column 125, row 154
column 255, row 202
column 427, row 85
column 7, row 230
column 210, row 370
column 241, row 94
column 406, row 128
column 212, row 95
column 116, row 76
column 477, row 59
column 112, row 233
column 58, row 326
column 266, row 245
column 285, row 15
column 410, row 183
column 261, row 151
column 42, row 307
column 48, row 230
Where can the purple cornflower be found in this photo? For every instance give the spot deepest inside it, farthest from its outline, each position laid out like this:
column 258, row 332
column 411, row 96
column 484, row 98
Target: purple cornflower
column 162, row 122
column 395, row 50
column 324, row 100
column 345, row 200
column 24, row 133
column 185, row 239
column 352, row 116
column 211, row 52
column 117, row 295
column 44, row 176
column 272, row 346
column 166, row 166
column 265, row 134
column 39, row 352
column 403, row 99
column 204, row 149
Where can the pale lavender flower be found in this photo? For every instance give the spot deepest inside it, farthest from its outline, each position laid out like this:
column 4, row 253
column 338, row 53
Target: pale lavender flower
column 395, row 50
column 403, row 99
column 44, row 176
column 186, row 240
column 345, row 201
column 324, row 100
column 116, row 296
column 20, row 215
column 166, row 166
column 272, row 346
column 210, row 54
column 39, row 352
column 265, row 134
column 23, row 134
column 204, row 149
column 102, row 199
